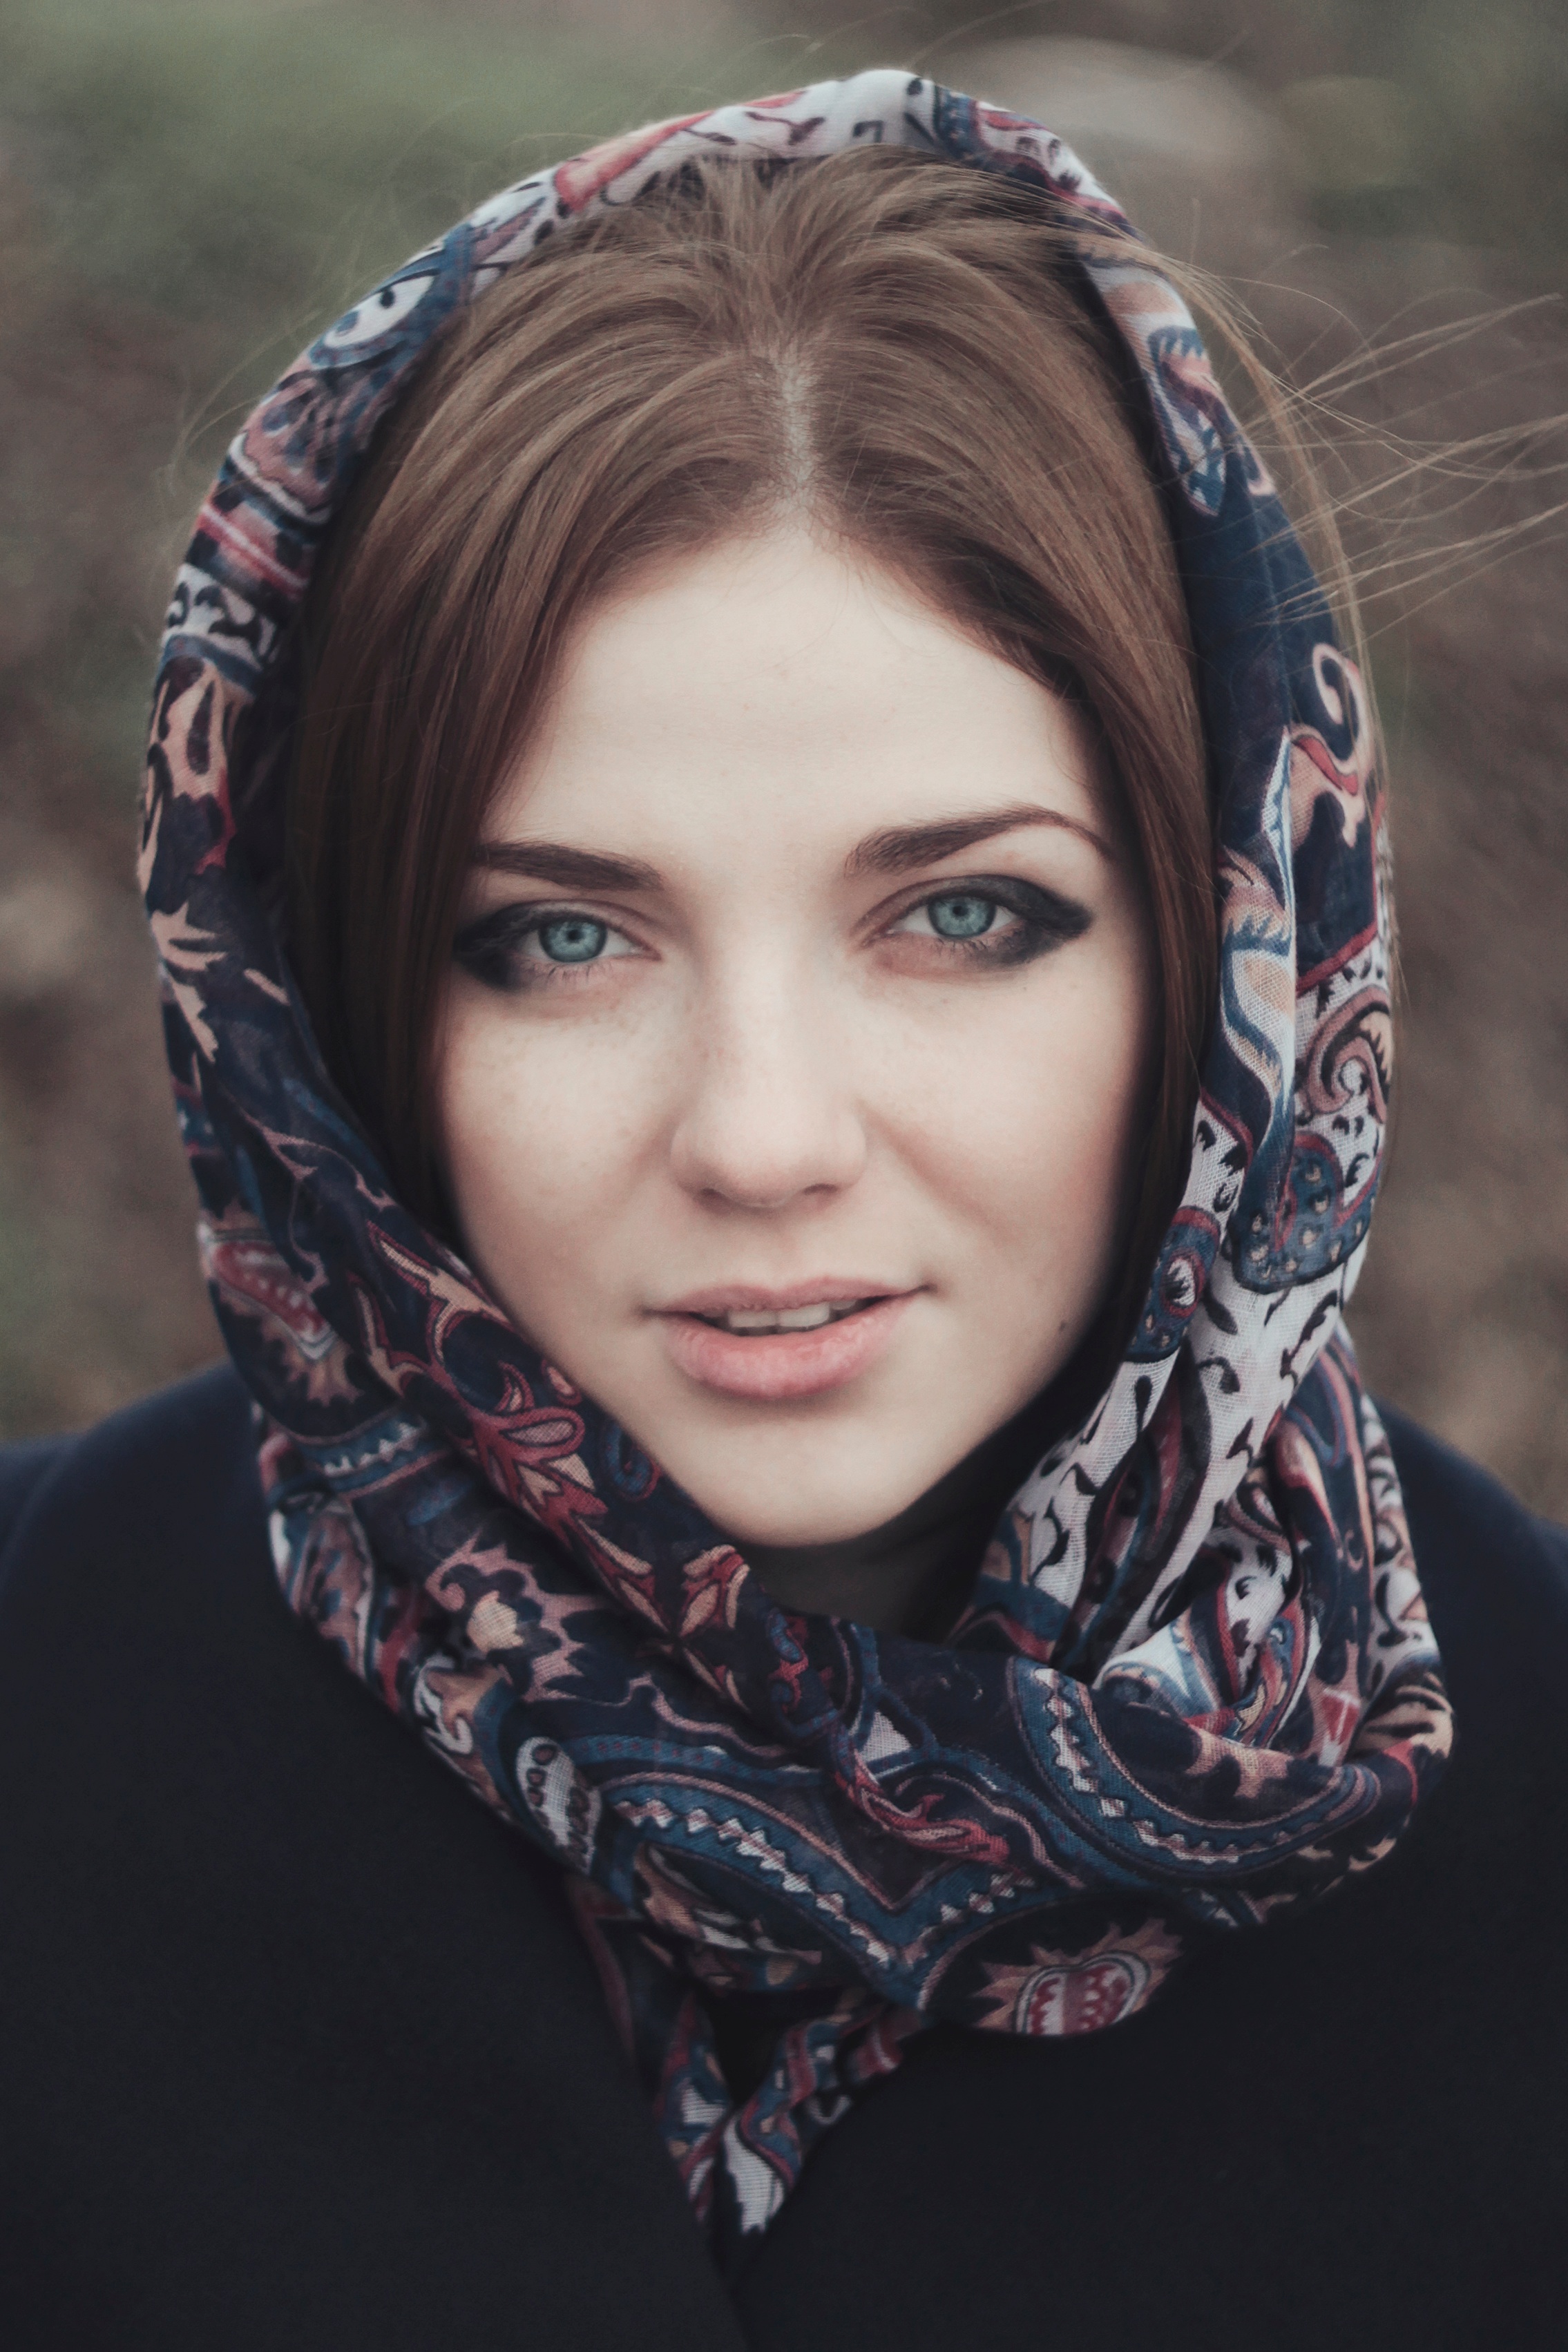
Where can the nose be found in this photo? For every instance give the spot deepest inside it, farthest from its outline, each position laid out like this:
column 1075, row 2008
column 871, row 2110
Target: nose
column 771, row 1116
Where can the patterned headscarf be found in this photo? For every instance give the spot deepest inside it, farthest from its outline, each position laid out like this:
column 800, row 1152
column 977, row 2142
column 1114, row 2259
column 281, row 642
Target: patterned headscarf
column 1195, row 1683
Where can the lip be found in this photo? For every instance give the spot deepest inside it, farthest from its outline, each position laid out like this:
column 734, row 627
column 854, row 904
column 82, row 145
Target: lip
column 826, row 1290
column 777, row 1368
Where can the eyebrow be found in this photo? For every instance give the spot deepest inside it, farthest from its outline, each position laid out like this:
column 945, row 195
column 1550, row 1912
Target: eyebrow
column 899, row 847
column 895, row 849
column 567, row 868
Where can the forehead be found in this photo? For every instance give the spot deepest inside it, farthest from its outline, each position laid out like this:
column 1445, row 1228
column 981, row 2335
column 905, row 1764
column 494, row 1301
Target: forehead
column 776, row 693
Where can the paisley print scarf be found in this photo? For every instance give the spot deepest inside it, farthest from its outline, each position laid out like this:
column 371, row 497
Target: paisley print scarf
column 1195, row 1684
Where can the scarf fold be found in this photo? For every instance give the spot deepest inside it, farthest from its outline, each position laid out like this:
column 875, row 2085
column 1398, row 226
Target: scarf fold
column 1195, row 1683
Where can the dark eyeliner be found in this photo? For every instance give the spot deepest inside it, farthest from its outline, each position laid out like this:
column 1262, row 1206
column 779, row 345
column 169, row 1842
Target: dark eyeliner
column 486, row 949
column 1045, row 918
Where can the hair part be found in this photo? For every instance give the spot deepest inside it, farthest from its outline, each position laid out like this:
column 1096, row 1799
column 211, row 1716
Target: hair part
column 899, row 353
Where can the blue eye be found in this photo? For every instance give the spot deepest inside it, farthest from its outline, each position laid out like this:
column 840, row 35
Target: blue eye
column 516, row 947
column 996, row 922
column 574, row 938
column 961, row 915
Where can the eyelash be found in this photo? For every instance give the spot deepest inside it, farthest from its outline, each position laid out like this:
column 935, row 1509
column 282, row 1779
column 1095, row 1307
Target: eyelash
column 1042, row 920
column 489, row 949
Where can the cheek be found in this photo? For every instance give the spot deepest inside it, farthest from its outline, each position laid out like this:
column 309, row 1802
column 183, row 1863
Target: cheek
column 541, row 1128
column 1032, row 1119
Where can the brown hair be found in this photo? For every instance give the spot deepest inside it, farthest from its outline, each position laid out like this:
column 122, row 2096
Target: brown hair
column 900, row 350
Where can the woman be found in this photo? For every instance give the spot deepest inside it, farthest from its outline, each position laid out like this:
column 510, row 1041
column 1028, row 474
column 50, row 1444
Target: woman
column 771, row 894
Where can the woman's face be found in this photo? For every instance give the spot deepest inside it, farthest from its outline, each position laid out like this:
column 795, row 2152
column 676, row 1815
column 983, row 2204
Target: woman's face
column 794, row 1063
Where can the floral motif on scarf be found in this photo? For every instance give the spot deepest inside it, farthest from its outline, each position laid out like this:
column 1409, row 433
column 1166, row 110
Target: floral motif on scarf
column 1195, row 1683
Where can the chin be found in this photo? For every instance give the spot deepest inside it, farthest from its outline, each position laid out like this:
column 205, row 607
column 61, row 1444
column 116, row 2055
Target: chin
column 791, row 1506
column 801, row 1529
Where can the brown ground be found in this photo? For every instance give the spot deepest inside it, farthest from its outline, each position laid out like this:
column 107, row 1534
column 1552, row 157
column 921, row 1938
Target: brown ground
column 99, row 1294
column 1463, row 1316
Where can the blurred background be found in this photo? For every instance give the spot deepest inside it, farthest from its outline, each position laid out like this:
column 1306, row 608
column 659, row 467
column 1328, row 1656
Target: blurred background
column 189, row 188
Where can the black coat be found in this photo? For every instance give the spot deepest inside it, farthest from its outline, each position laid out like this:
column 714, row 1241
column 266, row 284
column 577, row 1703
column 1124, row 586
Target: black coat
column 301, row 2052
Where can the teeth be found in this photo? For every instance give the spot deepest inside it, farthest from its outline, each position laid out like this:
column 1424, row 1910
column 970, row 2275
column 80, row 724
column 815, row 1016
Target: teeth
column 750, row 1320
